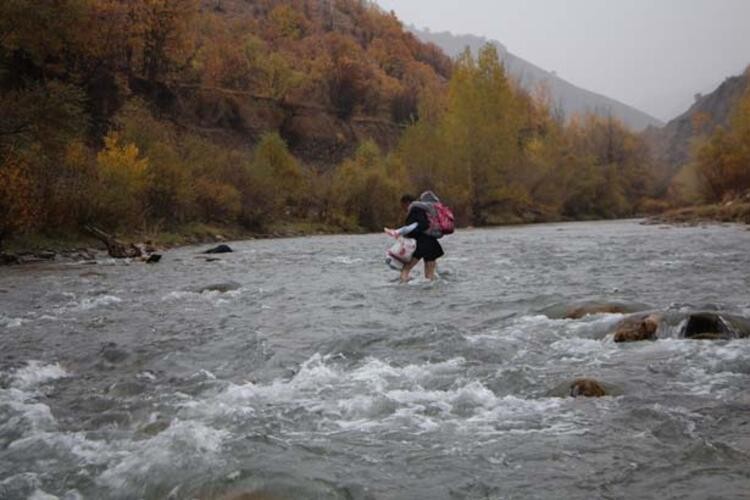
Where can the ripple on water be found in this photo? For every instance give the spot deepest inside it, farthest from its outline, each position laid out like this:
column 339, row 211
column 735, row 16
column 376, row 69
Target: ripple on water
column 420, row 391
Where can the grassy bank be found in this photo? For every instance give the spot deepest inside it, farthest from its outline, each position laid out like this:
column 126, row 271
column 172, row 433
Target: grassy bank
column 190, row 234
column 736, row 211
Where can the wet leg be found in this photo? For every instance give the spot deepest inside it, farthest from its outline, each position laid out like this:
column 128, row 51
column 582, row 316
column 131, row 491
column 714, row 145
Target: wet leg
column 429, row 269
column 407, row 269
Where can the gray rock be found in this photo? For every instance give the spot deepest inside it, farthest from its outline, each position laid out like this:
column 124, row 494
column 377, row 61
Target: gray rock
column 113, row 354
column 219, row 249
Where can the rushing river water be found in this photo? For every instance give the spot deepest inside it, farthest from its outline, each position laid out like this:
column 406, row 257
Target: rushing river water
column 310, row 373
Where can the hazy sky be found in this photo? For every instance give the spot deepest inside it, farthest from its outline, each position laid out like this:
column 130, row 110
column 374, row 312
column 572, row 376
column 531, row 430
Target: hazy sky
column 652, row 54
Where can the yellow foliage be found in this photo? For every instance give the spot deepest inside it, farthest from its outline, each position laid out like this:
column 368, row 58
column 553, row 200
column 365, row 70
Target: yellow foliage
column 122, row 174
column 219, row 202
column 366, row 190
column 724, row 160
column 288, row 22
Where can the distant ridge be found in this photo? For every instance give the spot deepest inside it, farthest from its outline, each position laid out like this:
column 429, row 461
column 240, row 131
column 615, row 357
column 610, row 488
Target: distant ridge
column 672, row 143
column 570, row 98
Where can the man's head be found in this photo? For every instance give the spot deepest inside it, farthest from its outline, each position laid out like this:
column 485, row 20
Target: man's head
column 407, row 200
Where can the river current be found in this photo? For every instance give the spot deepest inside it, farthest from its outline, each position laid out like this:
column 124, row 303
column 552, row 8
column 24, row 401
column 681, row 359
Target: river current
column 299, row 368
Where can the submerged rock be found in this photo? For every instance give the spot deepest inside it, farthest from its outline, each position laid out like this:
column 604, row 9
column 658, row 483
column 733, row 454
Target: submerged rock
column 581, row 311
column 154, row 428
column 220, row 287
column 587, row 388
column 583, row 388
column 219, row 249
column 112, row 353
column 637, row 328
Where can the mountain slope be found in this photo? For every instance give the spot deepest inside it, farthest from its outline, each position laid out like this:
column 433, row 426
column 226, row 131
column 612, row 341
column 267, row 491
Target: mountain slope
column 672, row 143
column 570, row 98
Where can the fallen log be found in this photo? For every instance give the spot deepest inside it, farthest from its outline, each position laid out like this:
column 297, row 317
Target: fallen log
column 120, row 250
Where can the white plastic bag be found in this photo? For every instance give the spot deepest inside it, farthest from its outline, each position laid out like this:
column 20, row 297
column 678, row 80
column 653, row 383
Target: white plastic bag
column 400, row 253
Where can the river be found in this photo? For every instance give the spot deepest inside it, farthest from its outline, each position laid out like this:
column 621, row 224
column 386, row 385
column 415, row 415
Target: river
column 299, row 368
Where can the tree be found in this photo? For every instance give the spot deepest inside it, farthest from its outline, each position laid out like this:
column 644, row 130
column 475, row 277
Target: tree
column 123, row 174
column 724, row 160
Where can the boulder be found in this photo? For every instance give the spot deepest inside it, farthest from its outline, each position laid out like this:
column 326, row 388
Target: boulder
column 637, row 328
column 707, row 326
column 152, row 429
column 112, row 353
column 219, row 249
column 587, row 388
column 153, row 258
column 584, row 388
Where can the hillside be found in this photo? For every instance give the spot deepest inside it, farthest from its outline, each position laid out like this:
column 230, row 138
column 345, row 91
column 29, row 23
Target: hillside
column 672, row 143
column 157, row 117
column 570, row 98
column 325, row 75
column 161, row 113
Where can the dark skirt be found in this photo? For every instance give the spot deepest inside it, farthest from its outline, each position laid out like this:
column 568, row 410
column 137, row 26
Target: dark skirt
column 428, row 248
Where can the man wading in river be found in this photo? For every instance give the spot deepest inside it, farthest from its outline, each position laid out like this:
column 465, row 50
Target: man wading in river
column 427, row 220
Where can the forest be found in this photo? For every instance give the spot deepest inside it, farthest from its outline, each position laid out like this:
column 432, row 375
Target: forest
column 146, row 117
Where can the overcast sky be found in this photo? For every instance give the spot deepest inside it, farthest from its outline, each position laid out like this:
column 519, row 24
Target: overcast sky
column 652, row 54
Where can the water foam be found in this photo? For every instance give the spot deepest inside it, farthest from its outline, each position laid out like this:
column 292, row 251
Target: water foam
column 36, row 373
column 214, row 297
column 11, row 322
column 376, row 395
column 87, row 304
column 164, row 455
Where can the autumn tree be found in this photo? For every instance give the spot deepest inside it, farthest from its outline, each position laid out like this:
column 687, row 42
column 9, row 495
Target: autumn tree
column 724, row 161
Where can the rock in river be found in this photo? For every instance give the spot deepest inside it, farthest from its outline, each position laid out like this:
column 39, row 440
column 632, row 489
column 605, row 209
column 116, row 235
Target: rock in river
column 583, row 388
column 637, row 328
column 220, row 249
column 587, row 388
column 220, row 287
column 712, row 326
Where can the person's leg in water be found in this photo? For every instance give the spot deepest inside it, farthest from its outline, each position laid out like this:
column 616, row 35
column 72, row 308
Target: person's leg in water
column 430, row 266
column 407, row 269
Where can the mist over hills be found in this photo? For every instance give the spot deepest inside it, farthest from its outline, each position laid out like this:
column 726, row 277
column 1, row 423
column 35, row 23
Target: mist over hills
column 568, row 97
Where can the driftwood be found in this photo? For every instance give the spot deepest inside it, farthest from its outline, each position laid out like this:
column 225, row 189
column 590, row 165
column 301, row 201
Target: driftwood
column 120, row 250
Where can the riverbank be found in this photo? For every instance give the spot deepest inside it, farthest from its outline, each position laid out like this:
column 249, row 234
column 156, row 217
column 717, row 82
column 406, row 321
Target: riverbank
column 80, row 246
column 26, row 249
column 733, row 211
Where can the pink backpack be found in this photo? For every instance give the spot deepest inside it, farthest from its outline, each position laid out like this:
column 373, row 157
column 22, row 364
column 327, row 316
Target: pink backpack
column 442, row 221
column 446, row 221
column 439, row 216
